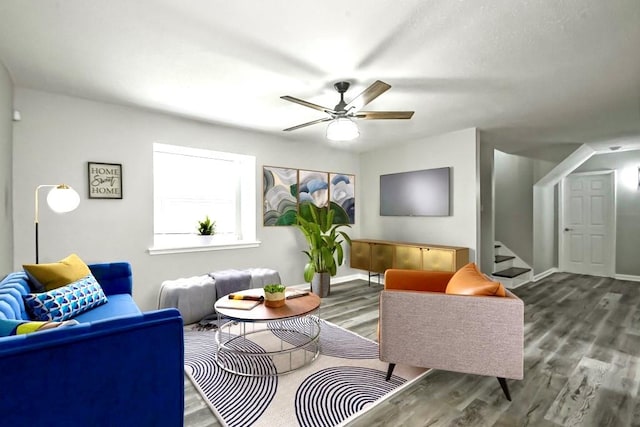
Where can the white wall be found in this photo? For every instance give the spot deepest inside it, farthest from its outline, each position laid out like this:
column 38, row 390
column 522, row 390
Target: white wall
column 487, row 208
column 515, row 210
column 457, row 150
column 58, row 135
column 514, row 179
column 544, row 228
column 6, row 130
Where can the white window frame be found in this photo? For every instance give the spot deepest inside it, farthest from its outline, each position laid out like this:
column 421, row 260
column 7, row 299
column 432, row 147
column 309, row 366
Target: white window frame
column 245, row 235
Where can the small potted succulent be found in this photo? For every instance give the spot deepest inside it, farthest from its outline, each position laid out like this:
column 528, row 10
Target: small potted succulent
column 274, row 295
column 206, row 227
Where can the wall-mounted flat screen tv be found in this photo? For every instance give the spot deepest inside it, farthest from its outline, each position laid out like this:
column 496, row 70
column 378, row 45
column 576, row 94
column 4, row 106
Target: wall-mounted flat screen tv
column 417, row 193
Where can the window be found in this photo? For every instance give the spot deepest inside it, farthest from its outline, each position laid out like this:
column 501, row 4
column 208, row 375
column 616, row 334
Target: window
column 190, row 184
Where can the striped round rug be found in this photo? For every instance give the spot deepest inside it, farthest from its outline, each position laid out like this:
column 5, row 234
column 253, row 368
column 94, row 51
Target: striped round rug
column 344, row 381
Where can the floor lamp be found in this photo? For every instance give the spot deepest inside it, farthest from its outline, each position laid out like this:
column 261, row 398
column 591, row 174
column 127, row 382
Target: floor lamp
column 61, row 199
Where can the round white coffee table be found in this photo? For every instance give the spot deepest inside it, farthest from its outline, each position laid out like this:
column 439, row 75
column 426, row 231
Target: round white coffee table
column 264, row 341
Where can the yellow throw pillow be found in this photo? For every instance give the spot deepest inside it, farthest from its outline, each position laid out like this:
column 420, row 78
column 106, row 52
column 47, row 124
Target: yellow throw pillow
column 54, row 275
column 470, row 281
column 28, row 327
column 10, row 327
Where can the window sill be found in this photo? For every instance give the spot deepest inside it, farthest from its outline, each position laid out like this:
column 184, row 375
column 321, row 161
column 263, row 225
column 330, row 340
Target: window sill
column 206, row 247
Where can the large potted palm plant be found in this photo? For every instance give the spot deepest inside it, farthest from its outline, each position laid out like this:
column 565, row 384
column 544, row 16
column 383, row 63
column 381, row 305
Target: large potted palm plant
column 325, row 251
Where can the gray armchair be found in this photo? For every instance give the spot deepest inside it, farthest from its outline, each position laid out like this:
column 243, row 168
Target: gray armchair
column 421, row 325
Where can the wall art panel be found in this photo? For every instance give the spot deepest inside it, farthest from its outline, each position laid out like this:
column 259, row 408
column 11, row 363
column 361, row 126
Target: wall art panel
column 280, row 202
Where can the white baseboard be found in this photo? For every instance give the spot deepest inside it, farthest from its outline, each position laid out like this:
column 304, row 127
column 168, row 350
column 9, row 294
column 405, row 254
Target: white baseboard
column 300, row 286
column 517, row 285
column 627, row 277
column 348, row 278
column 544, row 274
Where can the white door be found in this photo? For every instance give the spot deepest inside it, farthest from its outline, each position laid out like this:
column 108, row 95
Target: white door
column 587, row 225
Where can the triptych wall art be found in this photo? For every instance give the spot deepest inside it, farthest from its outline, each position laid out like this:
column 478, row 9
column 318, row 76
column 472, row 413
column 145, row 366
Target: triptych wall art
column 285, row 190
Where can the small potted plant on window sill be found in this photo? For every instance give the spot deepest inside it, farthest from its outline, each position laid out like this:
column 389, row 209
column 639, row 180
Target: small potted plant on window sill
column 274, row 295
column 206, row 227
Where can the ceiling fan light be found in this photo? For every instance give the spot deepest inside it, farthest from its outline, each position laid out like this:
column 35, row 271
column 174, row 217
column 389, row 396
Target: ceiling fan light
column 342, row 129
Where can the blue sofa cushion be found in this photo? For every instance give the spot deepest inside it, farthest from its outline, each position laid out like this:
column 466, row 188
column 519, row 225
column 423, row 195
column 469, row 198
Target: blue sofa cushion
column 114, row 277
column 118, row 305
column 67, row 301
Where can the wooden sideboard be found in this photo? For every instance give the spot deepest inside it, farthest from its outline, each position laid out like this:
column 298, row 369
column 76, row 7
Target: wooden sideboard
column 376, row 256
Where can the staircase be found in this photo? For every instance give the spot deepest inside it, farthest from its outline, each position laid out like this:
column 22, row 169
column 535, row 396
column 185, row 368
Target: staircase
column 508, row 269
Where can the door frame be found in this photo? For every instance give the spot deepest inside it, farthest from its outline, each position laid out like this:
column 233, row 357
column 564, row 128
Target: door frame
column 562, row 264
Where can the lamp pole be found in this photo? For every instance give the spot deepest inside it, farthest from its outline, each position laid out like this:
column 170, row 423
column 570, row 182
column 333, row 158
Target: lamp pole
column 36, row 216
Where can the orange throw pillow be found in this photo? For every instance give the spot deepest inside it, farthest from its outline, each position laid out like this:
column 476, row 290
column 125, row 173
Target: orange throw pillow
column 470, row 281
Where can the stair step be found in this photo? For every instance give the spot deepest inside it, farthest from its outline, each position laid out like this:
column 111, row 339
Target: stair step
column 503, row 258
column 511, row 272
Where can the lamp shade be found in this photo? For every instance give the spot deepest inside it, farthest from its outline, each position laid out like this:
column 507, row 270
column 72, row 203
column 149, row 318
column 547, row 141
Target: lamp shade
column 63, row 198
column 342, row 129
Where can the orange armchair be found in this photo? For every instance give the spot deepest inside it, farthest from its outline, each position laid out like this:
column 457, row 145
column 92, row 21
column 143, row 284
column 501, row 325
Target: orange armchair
column 451, row 321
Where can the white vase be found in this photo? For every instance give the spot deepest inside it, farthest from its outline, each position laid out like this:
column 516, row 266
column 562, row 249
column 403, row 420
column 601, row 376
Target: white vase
column 205, row 239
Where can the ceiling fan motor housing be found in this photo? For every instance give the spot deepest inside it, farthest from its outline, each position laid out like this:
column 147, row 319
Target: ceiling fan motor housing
column 341, row 87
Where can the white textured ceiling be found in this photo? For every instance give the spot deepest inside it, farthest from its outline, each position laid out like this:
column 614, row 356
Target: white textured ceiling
column 526, row 73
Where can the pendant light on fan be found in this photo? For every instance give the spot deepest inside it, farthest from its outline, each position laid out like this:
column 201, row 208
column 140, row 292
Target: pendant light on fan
column 342, row 129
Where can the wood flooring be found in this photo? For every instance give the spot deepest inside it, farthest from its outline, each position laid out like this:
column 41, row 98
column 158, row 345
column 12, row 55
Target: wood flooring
column 582, row 362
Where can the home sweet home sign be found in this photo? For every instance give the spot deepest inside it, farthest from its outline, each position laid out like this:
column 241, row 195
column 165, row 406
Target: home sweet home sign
column 105, row 180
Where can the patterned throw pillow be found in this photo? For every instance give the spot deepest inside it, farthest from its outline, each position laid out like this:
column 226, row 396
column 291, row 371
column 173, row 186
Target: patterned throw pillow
column 67, row 301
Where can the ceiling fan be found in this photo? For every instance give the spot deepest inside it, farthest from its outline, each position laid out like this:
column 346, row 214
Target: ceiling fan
column 342, row 127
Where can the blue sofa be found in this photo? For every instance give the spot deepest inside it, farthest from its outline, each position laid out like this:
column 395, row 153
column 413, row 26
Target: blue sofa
column 117, row 367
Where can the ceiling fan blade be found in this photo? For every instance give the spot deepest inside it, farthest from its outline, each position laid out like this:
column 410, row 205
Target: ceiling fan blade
column 307, row 104
column 381, row 115
column 308, row 124
column 368, row 95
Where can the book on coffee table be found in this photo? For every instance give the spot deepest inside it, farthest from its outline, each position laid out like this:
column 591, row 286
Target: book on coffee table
column 246, row 297
column 238, row 304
